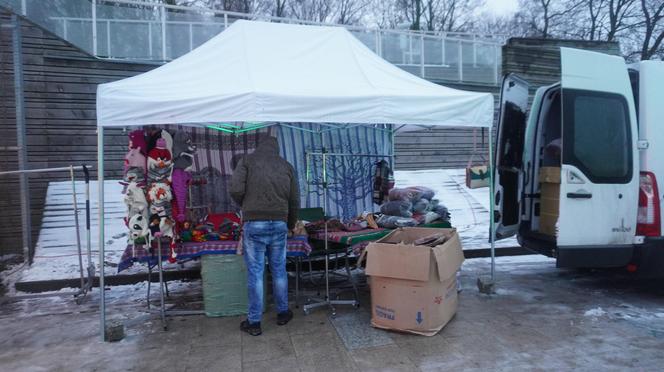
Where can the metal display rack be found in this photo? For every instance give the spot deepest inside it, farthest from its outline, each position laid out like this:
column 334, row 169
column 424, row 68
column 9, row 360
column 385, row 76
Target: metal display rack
column 87, row 273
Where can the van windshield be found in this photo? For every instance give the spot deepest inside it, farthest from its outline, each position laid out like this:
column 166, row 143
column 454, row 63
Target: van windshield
column 596, row 135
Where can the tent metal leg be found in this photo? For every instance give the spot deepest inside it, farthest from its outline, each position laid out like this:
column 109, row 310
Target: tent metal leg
column 491, row 209
column 298, row 263
column 161, row 287
column 78, row 233
column 149, row 283
column 100, row 208
column 88, row 234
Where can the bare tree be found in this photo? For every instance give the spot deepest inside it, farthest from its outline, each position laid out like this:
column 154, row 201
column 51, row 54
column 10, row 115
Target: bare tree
column 596, row 16
column 653, row 28
column 620, row 15
column 311, row 10
column 350, row 11
column 413, row 11
column 548, row 18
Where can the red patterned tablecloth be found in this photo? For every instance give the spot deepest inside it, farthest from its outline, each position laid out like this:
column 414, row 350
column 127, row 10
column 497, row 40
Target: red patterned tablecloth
column 297, row 247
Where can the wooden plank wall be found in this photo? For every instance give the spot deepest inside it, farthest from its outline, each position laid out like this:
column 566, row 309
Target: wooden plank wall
column 445, row 147
column 60, row 89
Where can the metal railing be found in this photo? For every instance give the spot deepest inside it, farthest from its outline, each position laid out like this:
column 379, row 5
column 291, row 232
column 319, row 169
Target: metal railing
column 144, row 31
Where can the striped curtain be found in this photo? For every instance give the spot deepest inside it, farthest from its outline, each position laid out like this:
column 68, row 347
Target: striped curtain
column 349, row 178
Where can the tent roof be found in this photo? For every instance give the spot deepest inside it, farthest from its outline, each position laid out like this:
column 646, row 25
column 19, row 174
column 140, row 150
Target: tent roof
column 271, row 72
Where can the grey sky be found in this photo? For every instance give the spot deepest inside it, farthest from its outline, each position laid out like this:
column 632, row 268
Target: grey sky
column 502, row 7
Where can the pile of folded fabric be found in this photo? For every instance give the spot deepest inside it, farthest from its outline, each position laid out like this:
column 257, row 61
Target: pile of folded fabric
column 411, row 206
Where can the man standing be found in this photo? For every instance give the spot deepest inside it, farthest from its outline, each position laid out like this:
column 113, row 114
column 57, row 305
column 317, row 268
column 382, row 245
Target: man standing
column 266, row 187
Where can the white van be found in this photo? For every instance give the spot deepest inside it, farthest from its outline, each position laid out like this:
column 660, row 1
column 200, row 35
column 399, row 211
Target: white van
column 577, row 169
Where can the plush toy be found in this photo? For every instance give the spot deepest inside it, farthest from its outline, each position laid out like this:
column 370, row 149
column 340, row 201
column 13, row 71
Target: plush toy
column 185, row 231
column 135, row 201
column 198, row 236
column 183, row 151
column 136, row 175
column 138, row 228
column 180, row 182
column 155, row 222
column 159, row 163
column 135, row 163
column 172, row 257
column 160, row 196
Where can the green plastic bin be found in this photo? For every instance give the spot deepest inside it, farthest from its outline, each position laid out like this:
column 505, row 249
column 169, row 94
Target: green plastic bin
column 225, row 285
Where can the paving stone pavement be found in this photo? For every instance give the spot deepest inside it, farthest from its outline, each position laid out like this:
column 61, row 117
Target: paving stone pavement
column 542, row 318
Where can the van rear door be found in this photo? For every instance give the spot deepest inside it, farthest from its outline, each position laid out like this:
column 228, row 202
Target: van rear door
column 599, row 183
column 509, row 155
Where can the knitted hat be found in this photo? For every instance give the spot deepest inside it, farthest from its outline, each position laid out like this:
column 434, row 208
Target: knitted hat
column 161, row 143
column 137, row 140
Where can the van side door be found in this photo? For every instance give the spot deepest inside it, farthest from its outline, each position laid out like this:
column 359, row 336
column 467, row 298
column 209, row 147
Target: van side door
column 509, row 155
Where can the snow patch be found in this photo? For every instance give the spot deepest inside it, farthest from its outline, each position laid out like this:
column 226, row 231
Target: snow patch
column 596, row 312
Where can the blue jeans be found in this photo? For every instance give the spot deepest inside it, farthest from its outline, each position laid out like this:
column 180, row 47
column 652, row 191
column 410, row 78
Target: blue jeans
column 259, row 238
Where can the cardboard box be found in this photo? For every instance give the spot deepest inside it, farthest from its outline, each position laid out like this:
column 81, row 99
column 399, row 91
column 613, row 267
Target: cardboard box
column 549, row 178
column 413, row 288
column 549, row 175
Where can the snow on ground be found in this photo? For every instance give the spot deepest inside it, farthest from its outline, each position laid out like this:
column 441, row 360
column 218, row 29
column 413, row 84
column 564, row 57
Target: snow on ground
column 56, row 254
column 469, row 207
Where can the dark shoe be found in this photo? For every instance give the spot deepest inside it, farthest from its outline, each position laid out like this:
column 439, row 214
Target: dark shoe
column 253, row 329
column 285, row 317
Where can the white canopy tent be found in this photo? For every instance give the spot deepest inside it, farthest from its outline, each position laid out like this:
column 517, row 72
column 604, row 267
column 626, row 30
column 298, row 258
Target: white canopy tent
column 267, row 73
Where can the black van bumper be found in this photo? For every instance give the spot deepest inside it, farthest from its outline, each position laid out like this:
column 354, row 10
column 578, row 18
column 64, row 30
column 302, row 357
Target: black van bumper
column 594, row 256
column 649, row 257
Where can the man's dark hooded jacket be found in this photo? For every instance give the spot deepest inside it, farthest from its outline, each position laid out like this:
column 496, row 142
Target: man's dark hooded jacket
column 265, row 185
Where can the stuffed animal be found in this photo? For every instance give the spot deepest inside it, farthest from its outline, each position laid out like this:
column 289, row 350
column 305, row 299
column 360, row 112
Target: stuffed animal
column 135, row 163
column 181, row 180
column 135, row 201
column 159, row 163
column 160, row 196
column 155, row 222
column 183, row 151
column 138, row 227
column 185, row 231
column 136, row 175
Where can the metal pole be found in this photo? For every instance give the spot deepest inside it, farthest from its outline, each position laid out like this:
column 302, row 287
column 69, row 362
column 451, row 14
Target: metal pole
column 161, row 286
column 460, row 61
column 163, row 33
column 94, row 28
column 24, row 8
column 150, row 38
column 42, row 170
column 88, row 234
column 100, row 208
column 191, row 37
column 108, row 39
column 21, row 142
column 474, row 51
column 78, row 233
column 492, row 234
column 422, row 55
column 393, row 155
column 495, row 64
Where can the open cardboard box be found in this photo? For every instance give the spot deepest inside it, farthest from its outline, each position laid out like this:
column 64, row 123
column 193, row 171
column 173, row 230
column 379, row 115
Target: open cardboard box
column 413, row 288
